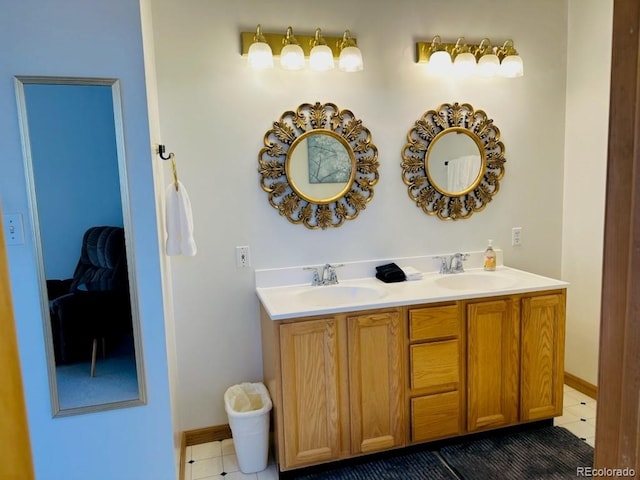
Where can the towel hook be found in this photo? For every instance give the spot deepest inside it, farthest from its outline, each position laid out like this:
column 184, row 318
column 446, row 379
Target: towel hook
column 161, row 150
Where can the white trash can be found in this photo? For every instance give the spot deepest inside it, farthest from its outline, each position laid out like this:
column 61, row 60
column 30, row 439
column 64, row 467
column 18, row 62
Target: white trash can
column 248, row 406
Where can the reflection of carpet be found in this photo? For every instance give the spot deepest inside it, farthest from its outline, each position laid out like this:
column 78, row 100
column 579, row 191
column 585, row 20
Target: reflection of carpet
column 115, row 381
column 543, row 453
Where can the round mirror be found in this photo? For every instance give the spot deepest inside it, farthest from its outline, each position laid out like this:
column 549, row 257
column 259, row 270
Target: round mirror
column 320, row 166
column 455, row 161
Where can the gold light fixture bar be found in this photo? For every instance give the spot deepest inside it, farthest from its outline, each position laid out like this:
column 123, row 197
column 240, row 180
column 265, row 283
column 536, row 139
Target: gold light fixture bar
column 306, row 42
column 423, row 49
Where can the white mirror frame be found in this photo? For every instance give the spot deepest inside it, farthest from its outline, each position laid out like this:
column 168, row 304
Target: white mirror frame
column 20, row 82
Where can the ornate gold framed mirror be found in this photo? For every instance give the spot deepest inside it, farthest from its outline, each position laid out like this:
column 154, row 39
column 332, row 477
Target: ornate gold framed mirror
column 453, row 161
column 318, row 165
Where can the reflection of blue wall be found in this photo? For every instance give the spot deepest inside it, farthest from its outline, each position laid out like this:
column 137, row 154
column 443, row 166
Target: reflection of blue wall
column 75, row 165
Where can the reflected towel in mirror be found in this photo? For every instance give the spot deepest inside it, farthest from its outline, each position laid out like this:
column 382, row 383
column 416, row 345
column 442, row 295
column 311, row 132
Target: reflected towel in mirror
column 461, row 172
column 179, row 222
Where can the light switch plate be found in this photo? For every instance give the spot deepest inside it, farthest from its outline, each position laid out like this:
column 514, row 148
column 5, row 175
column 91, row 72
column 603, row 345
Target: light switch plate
column 243, row 260
column 13, row 229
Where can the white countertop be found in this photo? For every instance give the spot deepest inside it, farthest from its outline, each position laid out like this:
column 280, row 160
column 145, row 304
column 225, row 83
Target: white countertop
column 287, row 301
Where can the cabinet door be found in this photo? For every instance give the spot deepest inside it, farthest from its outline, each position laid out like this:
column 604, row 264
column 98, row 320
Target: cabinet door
column 493, row 334
column 375, row 381
column 309, row 360
column 542, row 374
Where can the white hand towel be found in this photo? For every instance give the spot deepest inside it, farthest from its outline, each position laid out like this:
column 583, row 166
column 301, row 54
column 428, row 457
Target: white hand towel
column 179, row 222
column 412, row 273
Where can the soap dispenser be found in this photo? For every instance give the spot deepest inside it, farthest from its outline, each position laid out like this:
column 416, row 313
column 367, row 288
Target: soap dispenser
column 490, row 258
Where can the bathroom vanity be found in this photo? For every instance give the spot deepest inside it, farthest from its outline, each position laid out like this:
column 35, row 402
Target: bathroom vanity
column 369, row 366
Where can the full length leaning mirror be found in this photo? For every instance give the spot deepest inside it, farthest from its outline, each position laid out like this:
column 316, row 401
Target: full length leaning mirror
column 73, row 146
column 453, row 161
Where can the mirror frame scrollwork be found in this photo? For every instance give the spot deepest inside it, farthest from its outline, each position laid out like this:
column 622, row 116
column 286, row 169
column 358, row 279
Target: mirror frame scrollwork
column 433, row 199
column 275, row 157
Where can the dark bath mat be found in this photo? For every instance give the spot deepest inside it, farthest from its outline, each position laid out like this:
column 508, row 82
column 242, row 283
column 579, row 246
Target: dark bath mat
column 551, row 453
column 409, row 466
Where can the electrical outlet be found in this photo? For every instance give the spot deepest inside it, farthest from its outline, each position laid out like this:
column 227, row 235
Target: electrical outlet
column 242, row 257
column 516, row 236
column 13, row 229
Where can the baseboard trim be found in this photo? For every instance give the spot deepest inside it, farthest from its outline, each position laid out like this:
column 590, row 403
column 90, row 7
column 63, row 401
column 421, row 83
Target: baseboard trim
column 201, row 435
column 207, row 434
column 581, row 385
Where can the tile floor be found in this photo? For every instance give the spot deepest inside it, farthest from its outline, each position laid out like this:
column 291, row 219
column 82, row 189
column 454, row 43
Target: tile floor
column 218, row 461
column 578, row 415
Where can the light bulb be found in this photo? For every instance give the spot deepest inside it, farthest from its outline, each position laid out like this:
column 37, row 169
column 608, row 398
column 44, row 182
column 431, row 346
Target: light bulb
column 488, row 65
column 350, row 60
column 465, row 64
column 440, row 62
column 292, row 57
column 321, row 58
column 511, row 67
column 260, row 56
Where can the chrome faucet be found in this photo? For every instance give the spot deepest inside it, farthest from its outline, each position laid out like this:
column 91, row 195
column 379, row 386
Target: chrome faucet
column 452, row 263
column 328, row 276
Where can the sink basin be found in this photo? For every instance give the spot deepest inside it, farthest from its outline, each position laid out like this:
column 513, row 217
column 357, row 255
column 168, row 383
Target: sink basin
column 340, row 295
column 475, row 281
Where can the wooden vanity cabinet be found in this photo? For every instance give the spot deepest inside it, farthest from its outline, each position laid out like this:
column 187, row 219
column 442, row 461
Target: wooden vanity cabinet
column 435, row 372
column 515, row 359
column 493, row 363
column 375, row 381
column 336, row 384
column 542, row 355
column 310, row 391
column 352, row 383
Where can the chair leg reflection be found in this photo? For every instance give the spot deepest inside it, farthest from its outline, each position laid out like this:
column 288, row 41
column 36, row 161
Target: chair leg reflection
column 94, row 353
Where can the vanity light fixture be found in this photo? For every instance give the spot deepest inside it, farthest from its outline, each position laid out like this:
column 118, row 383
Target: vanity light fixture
column 464, row 62
column 260, row 55
column 350, row 55
column 438, row 56
column 322, row 51
column 488, row 61
column 321, row 56
column 291, row 55
column 511, row 65
column 481, row 59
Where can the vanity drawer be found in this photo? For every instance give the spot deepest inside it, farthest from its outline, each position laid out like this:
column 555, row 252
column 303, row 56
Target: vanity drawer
column 435, row 416
column 435, row 364
column 433, row 322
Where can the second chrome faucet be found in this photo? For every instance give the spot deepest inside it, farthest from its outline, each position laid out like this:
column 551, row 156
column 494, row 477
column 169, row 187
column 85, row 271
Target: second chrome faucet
column 452, row 263
column 325, row 275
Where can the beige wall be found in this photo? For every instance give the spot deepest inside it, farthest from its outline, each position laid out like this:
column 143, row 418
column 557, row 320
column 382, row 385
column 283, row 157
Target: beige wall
column 214, row 112
column 587, row 112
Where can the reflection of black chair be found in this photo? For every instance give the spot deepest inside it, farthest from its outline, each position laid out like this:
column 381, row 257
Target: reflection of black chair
column 94, row 304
